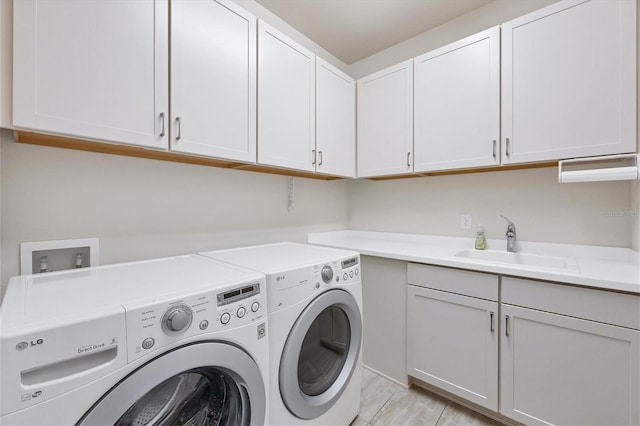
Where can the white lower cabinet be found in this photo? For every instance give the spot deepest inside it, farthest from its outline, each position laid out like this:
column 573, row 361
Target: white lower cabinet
column 452, row 339
column 562, row 370
column 568, row 355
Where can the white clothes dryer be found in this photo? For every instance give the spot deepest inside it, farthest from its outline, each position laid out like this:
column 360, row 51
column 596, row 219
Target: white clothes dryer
column 177, row 341
column 315, row 319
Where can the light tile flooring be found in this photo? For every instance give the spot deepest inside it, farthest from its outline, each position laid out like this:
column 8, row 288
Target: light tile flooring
column 384, row 403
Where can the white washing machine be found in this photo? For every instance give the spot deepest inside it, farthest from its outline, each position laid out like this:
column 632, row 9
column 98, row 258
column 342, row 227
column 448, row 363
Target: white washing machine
column 178, row 341
column 314, row 307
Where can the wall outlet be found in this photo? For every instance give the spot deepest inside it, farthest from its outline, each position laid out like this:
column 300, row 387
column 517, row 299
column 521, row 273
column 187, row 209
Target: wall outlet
column 290, row 194
column 465, row 221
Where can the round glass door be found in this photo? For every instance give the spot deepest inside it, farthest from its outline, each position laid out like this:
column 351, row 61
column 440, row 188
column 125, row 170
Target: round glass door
column 204, row 396
column 324, row 351
column 206, row 383
column 320, row 354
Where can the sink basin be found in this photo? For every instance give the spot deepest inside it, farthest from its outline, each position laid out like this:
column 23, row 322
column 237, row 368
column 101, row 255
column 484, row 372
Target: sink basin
column 521, row 259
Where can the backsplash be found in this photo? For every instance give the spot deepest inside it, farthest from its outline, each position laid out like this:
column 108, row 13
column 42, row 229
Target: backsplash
column 541, row 208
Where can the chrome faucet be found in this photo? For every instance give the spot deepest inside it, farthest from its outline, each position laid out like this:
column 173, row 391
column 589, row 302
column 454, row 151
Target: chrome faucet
column 511, row 235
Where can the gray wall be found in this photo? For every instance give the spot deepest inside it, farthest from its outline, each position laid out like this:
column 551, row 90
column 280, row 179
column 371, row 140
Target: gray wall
column 143, row 208
column 542, row 209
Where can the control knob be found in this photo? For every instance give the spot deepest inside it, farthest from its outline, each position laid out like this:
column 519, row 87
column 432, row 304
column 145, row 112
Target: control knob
column 176, row 319
column 327, row 273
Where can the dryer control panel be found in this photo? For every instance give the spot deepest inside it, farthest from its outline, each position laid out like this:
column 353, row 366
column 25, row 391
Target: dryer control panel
column 291, row 287
column 157, row 324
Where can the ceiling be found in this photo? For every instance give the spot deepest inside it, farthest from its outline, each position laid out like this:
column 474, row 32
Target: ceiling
column 354, row 29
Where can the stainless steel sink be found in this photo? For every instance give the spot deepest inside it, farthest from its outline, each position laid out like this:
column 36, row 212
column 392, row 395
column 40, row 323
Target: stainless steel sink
column 521, row 259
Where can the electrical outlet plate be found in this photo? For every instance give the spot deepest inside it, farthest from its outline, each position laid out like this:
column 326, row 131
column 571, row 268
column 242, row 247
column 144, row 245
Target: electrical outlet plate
column 465, row 221
column 61, row 254
column 290, row 194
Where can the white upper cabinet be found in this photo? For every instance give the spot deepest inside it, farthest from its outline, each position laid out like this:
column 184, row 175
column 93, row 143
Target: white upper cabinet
column 385, row 122
column 92, row 69
column 335, row 121
column 286, row 101
column 569, row 81
column 457, row 104
column 213, row 80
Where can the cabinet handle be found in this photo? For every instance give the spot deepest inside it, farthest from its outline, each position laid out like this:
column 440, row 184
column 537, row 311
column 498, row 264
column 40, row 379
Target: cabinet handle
column 179, row 129
column 162, row 128
column 408, row 159
column 506, row 324
column 491, row 314
column 320, row 163
column 494, row 152
column 508, row 147
column 313, row 153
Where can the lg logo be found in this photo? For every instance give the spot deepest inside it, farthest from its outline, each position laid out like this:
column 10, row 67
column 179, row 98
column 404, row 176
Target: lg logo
column 24, row 345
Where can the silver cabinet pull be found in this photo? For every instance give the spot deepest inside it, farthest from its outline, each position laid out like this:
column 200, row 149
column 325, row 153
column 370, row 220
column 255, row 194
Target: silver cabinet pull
column 408, row 159
column 162, row 128
column 320, row 163
column 494, row 152
column 506, row 324
column 313, row 153
column 179, row 126
column 491, row 314
column 508, row 147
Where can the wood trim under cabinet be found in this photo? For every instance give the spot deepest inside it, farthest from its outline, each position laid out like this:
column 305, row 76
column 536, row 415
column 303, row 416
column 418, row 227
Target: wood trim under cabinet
column 468, row 171
column 132, row 151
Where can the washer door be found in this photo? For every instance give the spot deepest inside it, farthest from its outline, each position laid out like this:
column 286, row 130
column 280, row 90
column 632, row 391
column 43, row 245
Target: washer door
column 320, row 354
column 209, row 383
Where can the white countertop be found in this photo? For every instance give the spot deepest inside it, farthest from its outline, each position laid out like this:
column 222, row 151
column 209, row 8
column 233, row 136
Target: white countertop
column 609, row 268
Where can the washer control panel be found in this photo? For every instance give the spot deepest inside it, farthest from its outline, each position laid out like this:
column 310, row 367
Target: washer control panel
column 239, row 304
column 177, row 319
column 159, row 323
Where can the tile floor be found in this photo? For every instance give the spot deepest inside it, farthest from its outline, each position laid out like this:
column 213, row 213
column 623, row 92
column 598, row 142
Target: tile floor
column 384, row 403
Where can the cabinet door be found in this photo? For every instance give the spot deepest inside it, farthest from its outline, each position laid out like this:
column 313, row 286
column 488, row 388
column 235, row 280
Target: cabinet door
column 286, row 101
column 92, row 69
column 6, row 13
column 452, row 343
column 569, row 81
column 335, row 121
column 385, row 122
column 562, row 370
column 457, row 104
column 213, row 80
